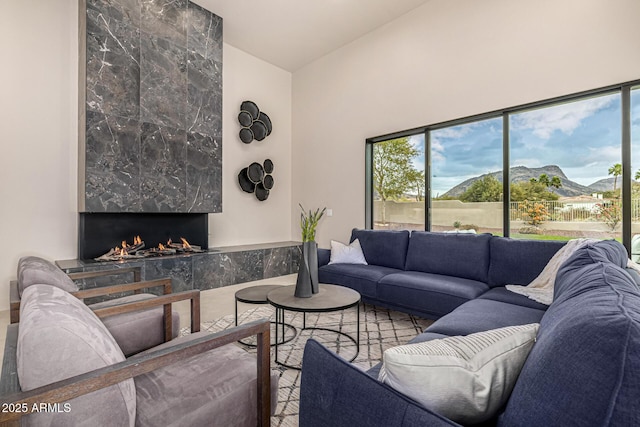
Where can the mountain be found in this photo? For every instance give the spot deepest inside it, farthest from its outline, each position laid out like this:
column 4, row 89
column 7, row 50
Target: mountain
column 524, row 174
column 605, row 184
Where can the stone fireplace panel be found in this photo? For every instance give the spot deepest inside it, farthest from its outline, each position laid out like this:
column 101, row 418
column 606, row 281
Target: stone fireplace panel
column 112, row 163
column 163, row 169
column 113, row 65
column 204, row 171
column 153, row 96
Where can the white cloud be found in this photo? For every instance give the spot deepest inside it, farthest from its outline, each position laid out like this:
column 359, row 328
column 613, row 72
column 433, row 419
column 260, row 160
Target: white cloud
column 564, row 117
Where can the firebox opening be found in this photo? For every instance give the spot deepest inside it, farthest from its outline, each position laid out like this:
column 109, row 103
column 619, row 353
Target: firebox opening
column 100, row 232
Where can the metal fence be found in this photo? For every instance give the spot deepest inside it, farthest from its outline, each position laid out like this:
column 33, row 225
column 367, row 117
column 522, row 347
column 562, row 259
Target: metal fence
column 570, row 212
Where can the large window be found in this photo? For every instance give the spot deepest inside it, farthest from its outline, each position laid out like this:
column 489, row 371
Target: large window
column 466, row 177
column 566, row 167
column 635, row 173
column 398, row 183
column 571, row 166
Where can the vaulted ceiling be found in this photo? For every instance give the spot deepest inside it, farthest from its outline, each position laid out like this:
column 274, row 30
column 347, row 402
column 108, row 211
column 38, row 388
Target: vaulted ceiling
column 293, row 33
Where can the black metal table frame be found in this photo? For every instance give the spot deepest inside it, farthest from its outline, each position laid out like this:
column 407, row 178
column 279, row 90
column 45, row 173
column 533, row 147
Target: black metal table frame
column 282, row 324
column 280, row 320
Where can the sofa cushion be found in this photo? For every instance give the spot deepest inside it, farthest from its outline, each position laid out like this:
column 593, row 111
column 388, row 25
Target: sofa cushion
column 433, row 293
column 34, row 270
column 59, row 337
column 504, row 295
column 605, row 251
column 482, row 315
column 386, row 248
column 588, row 346
column 465, row 378
column 519, row 261
column 362, row 278
column 459, row 255
column 138, row 330
column 217, row 387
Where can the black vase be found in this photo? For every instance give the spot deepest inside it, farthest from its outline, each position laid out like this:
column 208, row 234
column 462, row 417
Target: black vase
column 310, row 254
column 303, row 282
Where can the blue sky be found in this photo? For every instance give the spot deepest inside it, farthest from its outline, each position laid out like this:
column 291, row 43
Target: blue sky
column 583, row 138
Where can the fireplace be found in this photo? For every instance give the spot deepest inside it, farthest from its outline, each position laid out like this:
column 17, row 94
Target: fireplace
column 100, row 232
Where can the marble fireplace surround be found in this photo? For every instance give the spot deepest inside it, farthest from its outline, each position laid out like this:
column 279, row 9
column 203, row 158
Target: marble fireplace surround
column 150, row 125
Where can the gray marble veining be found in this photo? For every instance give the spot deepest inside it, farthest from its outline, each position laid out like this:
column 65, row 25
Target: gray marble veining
column 112, row 163
column 163, row 169
column 163, row 82
column 204, row 173
column 154, row 89
column 179, row 269
column 166, row 19
column 277, row 262
column 113, row 65
column 119, row 10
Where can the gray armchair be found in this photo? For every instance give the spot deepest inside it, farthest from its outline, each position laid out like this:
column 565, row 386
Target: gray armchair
column 63, row 367
column 134, row 331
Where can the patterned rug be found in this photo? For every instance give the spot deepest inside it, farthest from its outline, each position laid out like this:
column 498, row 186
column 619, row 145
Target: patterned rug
column 380, row 329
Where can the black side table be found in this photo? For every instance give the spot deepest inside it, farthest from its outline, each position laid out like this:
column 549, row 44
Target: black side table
column 258, row 295
column 329, row 298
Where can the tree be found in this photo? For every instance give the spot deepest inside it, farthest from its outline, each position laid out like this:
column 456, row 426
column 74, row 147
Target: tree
column 485, row 189
column 393, row 170
column 616, row 171
column 416, row 179
column 637, row 177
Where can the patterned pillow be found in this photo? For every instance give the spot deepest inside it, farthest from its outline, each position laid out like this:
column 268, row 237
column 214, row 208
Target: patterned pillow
column 464, row 378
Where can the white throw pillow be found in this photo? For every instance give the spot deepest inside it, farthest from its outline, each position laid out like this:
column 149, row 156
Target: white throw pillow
column 343, row 254
column 464, row 378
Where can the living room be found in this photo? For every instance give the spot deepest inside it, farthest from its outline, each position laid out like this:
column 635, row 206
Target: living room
column 439, row 61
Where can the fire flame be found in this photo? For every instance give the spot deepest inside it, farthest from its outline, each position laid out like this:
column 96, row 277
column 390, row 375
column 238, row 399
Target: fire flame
column 137, row 240
column 169, row 242
column 185, row 244
column 161, row 246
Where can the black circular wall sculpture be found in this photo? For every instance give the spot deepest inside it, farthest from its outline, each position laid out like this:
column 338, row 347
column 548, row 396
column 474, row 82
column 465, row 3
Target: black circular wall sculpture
column 255, row 123
column 257, row 179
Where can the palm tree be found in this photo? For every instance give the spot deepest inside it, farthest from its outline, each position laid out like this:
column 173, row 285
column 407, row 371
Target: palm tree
column 637, row 177
column 616, row 170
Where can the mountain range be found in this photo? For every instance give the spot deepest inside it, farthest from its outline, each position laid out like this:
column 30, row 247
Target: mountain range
column 524, row 174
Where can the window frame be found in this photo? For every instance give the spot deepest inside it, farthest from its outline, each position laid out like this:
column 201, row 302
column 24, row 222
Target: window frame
column 624, row 89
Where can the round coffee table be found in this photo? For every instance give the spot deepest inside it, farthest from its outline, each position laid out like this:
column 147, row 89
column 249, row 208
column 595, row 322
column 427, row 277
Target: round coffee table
column 329, row 298
column 258, row 295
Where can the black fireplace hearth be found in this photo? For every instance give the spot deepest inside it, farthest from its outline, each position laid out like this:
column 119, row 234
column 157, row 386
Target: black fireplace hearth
column 100, row 232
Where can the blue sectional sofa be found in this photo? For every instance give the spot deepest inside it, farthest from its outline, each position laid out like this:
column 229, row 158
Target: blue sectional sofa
column 430, row 274
column 584, row 369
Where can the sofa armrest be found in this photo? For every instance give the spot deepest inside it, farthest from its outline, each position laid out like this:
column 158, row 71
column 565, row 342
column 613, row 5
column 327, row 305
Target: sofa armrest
column 70, row 388
column 324, row 255
column 335, row 393
column 163, row 300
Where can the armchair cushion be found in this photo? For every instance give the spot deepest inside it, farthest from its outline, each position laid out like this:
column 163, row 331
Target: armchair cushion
column 59, row 338
column 34, row 270
column 221, row 381
column 139, row 330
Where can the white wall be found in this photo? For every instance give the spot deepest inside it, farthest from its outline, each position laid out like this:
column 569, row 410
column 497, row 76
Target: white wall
column 38, row 134
column 244, row 219
column 445, row 60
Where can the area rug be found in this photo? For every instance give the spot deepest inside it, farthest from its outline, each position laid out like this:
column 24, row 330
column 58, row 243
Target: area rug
column 380, row 329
